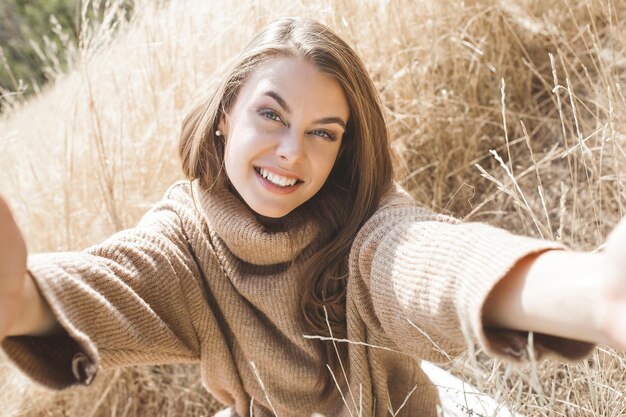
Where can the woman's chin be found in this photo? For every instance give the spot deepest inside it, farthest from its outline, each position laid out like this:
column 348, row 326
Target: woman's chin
column 271, row 213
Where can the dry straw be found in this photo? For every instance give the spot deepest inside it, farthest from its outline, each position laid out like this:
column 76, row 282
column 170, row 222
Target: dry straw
column 510, row 113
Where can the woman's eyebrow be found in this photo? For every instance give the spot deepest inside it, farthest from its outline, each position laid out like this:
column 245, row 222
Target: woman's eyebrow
column 329, row 120
column 282, row 103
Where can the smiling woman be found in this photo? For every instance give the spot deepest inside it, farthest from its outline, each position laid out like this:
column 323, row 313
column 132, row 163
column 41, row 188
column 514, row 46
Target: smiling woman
column 298, row 103
column 330, row 313
column 283, row 135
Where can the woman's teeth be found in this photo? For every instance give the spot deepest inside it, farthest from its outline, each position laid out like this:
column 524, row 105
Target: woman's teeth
column 276, row 179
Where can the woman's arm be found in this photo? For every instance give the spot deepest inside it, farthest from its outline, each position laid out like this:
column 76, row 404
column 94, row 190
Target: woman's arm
column 124, row 301
column 577, row 295
column 23, row 311
column 12, row 269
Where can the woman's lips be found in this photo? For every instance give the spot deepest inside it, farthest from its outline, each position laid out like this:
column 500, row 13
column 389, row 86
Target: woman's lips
column 270, row 186
column 280, row 172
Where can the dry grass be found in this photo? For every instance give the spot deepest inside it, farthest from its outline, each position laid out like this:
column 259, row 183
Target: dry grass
column 537, row 82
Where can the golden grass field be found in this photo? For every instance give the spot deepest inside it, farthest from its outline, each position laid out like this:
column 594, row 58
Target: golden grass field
column 506, row 112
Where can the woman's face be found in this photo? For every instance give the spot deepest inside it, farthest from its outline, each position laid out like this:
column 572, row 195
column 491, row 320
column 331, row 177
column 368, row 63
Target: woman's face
column 283, row 134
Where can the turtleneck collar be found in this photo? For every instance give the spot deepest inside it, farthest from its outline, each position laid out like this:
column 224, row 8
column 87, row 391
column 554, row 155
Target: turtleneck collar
column 249, row 240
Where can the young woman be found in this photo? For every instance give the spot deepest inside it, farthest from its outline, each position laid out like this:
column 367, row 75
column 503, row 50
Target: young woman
column 290, row 231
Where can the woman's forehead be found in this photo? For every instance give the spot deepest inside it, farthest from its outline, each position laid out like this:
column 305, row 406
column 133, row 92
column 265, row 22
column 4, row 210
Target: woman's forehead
column 299, row 83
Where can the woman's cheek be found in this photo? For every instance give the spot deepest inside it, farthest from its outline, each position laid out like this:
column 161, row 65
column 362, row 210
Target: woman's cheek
column 260, row 129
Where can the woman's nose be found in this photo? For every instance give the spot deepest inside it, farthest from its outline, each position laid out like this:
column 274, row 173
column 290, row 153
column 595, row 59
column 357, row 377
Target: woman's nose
column 291, row 147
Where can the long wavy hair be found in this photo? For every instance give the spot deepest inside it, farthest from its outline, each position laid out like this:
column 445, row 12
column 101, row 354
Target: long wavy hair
column 361, row 174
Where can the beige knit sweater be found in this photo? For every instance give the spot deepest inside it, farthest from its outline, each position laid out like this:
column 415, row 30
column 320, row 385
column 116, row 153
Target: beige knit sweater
column 200, row 280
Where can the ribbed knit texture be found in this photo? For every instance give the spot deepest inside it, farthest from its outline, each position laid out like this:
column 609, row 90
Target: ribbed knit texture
column 200, row 280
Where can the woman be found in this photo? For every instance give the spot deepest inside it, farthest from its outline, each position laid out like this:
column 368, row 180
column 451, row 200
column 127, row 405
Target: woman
column 290, row 232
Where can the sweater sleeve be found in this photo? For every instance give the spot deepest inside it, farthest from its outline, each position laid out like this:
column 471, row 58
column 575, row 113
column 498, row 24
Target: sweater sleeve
column 429, row 276
column 118, row 303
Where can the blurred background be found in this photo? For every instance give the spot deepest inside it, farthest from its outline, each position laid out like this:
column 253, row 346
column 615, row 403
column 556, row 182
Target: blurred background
column 510, row 113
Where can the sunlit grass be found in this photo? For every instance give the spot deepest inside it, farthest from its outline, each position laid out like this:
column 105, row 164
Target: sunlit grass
column 510, row 113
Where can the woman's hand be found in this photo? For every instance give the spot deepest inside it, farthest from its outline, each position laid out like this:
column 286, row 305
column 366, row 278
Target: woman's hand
column 611, row 309
column 12, row 269
column 576, row 295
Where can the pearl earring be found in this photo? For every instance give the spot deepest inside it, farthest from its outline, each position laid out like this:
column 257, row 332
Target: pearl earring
column 218, row 132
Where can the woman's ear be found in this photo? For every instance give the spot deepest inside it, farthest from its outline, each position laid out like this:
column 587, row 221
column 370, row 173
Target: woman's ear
column 223, row 125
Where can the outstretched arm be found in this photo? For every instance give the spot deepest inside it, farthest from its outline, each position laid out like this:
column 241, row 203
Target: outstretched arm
column 123, row 301
column 577, row 295
column 438, row 285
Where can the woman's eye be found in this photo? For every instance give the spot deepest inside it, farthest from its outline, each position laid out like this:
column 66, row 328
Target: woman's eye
column 270, row 114
column 323, row 133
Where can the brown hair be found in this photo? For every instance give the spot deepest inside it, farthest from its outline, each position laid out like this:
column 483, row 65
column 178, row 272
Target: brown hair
column 361, row 174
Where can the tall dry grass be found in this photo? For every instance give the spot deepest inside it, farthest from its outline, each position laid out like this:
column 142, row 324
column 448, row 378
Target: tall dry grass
column 506, row 112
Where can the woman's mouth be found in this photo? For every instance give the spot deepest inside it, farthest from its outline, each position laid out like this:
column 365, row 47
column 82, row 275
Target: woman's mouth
column 276, row 183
